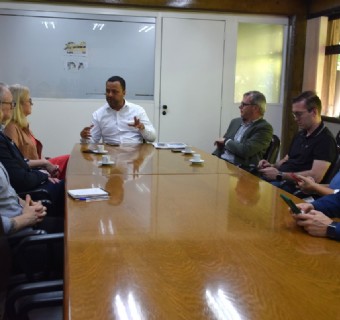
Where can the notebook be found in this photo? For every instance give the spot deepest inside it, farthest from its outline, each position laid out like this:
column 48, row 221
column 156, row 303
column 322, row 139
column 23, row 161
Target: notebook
column 88, row 193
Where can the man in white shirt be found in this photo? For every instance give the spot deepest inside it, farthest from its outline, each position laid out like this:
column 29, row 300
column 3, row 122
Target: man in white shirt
column 118, row 121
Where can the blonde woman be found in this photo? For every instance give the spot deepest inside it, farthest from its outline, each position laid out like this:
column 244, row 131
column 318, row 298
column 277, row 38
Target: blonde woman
column 18, row 130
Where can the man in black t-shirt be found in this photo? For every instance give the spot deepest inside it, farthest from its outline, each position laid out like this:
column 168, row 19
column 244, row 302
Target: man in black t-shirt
column 312, row 151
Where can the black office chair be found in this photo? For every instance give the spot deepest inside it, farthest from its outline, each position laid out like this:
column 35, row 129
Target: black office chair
column 28, row 301
column 36, row 301
column 37, row 257
column 273, row 150
column 333, row 170
column 337, row 139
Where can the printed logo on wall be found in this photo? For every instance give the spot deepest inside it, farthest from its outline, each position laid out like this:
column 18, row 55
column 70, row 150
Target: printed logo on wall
column 76, row 56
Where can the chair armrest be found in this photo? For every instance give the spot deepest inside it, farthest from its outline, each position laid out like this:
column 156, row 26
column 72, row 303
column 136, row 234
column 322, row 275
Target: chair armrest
column 36, row 194
column 15, row 238
column 39, row 239
column 39, row 257
column 26, row 297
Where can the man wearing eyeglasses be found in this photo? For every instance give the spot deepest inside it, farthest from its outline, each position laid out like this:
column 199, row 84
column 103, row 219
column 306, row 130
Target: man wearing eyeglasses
column 312, row 150
column 248, row 137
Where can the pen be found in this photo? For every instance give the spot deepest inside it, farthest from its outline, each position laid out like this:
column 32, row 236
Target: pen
column 92, row 199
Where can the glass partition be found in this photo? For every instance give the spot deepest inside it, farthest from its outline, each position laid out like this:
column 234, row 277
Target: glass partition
column 64, row 55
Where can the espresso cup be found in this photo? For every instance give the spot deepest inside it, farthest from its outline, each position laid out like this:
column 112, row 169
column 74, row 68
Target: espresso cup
column 187, row 149
column 196, row 157
column 100, row 148
column 106, row 159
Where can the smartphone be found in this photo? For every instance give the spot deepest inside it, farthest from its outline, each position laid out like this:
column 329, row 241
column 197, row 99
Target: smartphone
column 291, row 204
column 295, row 177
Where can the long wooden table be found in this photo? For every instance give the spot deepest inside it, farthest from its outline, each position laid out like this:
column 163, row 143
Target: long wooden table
column 179, row 241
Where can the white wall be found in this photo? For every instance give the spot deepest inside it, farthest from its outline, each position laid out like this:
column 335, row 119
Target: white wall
column 58, row 122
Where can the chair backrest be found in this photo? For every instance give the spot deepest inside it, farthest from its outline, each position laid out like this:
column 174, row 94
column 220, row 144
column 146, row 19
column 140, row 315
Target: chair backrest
column 337, row 139
column 273, row 150
column 333, row 169
column 5, row 267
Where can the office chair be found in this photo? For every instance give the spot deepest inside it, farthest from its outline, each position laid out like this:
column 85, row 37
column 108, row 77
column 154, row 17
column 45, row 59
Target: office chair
column 38, row 300
column 5, row 268
column 333, row 170
column 337, row 139
column 273, row 150
column 35, row 301
column 37, row 257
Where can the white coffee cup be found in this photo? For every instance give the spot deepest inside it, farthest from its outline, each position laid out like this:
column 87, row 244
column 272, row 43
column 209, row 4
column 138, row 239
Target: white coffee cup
column 100, row 148
column 196, row 157
column 106, row 159
column 187, row 149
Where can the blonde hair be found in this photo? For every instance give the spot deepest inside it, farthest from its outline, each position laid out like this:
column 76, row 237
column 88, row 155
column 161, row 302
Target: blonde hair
column 19, row 93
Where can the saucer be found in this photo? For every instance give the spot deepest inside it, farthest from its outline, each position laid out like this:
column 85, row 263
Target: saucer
column 100, row 152
column 106, row 164
column 188, row 152
column 195, row 161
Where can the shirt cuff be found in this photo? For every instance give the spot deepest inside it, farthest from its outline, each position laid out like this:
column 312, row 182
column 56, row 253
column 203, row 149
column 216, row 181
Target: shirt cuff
column 225, row 144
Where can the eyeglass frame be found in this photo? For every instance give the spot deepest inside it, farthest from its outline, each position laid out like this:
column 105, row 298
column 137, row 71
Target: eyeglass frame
column 12, row 103
column 30, row 101
column 243, row 104
column 299, row 114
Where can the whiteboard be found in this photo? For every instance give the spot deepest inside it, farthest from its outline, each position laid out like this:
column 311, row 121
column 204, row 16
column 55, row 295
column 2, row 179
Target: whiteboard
column 63, row 55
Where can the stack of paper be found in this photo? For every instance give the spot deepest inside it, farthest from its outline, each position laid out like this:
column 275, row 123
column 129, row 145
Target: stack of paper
column 169, row 145
column 89, row 194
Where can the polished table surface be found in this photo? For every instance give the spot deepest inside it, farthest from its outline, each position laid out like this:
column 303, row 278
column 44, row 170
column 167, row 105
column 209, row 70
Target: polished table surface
column 142, row 159
column 205, row 244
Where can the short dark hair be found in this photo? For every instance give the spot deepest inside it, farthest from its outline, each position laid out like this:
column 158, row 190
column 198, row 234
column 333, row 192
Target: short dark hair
column 119, row 79
column 311, row 100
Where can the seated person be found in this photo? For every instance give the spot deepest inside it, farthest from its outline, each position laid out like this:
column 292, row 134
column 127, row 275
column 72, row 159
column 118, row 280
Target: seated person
column 309, row 187
column 316, row 219
column 18, row 130
column 248, row 137
column 118, row 121
column 22, row 177
column 17, row 214
column 312, row 150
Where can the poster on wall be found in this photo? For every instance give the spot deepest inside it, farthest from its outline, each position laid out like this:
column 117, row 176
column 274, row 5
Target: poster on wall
column 76, row 56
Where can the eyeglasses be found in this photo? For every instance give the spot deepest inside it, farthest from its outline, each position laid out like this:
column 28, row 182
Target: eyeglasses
column 243, row 104
column 30, row 102
column 12, row 103
column 299, row 114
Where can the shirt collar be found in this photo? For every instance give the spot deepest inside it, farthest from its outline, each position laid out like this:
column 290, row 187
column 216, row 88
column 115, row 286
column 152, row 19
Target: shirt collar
column 316, row 132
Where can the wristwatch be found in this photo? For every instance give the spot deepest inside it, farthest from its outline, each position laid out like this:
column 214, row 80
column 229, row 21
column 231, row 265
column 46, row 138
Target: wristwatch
column 331, row 230
column 279, row 176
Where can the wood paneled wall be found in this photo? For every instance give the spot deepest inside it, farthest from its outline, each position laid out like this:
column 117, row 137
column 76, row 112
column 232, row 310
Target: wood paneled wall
column 276, row 7
column 317, row 7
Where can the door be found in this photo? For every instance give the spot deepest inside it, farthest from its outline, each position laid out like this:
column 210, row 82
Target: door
column 191, row 81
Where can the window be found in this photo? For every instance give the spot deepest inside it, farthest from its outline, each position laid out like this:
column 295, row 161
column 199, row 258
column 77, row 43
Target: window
column 259, row 60
column 331, row 75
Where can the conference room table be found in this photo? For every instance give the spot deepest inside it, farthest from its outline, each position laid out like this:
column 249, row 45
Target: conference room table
column 177, row 240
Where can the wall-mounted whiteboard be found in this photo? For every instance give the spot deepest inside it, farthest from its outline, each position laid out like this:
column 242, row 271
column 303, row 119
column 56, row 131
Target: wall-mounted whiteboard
column 62, row 55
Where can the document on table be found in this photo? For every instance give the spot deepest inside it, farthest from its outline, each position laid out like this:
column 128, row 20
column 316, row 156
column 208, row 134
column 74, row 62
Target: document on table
column 89, row 194
column 169, row 145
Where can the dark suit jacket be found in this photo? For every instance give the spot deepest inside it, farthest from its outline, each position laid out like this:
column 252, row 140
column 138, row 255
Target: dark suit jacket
column 21, row 176
column 253, row 145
